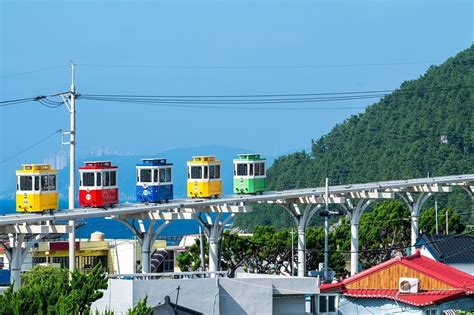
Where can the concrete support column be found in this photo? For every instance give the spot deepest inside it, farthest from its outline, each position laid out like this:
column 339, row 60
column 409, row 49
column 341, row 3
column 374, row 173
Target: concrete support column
column 213, row 254
column 354, row 248
column 16, row 262
column 415, row 209
column 145, row 251
column 355, row 214
column 213, row 231
column 301, row 252
column 146, row 238
column 301, row 219
column 414, row 232
column 17, row 253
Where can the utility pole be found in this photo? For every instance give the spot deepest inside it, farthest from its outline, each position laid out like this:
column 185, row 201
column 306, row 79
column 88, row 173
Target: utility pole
column 447, row 223
column 201, row 247
column 326, row 232
column 292, row 254
column 436, row 216
column 72, row 166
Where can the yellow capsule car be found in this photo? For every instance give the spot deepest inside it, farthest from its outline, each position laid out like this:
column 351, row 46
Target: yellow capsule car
column 36, row 188
column 204, row 177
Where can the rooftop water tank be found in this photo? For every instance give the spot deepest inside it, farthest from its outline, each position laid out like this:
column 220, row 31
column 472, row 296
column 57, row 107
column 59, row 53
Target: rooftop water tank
column 97, row 236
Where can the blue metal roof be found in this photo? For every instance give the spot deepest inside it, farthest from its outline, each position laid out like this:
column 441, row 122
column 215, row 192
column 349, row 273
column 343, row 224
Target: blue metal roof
column 154, row 162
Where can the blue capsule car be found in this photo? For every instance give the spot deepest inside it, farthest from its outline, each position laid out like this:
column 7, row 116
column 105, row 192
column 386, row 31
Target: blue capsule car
column 154, row 181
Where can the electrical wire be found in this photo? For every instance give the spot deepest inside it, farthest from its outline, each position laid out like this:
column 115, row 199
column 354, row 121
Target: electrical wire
column 216, row 101
column 405, row 90
column 259, row 67
column 33, row 71
column 31, row 146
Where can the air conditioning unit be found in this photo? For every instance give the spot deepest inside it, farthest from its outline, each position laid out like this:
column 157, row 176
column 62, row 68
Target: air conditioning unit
column 408, row 285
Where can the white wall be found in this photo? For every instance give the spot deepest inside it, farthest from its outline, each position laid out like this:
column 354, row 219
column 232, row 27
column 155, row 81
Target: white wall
column 252, row 295
column 124, row 256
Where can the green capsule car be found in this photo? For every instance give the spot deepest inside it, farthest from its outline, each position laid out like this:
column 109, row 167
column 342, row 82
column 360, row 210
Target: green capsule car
column 249, row 174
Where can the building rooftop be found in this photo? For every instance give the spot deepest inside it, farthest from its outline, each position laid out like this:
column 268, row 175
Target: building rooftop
column 439, row 283
column 449, row 249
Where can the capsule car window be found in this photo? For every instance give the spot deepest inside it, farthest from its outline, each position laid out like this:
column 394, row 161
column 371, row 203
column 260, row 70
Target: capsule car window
column 52, row 182
column 88, row 179
column 113, row 178
column 26, row 183
column 145, row 176
column 162, row 175
column 44, row 183
column 168, row 174
column 241, row 169
column 196, row 172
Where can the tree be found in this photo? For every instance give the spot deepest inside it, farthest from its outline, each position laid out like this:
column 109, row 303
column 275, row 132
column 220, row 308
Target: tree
column 315, row 249
column 46, row 290
column 385, row 228
column 428, row 221
column 235, row 252
column 423, row 128
column 141, row 308
column 191, row 258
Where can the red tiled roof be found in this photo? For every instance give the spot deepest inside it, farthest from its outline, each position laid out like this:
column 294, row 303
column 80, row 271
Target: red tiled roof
column 420, row 299
column 461, row 281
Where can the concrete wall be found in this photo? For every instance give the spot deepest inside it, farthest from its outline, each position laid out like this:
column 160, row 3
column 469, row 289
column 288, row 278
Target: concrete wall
column 258, row 294
column 123, row 253
column 245, row 296
column 289, row 305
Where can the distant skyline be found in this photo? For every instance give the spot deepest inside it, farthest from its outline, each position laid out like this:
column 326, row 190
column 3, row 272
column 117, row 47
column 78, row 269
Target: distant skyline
column 209, row 48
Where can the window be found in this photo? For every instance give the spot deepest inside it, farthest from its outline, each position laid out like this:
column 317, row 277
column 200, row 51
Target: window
column 430, row 312
column 138, row 178
column 52, row 182
column 99, row 179
column 218, row 171
column 259, row 169
column 212, row 171
column 251, row 169
column 206, row 172
column 155, row 175
column 241, row 169
column 327, row 304
column 196, row 172
column 87, row 179
column 323, row 304
column 44, row 183
column 162, row 175
column 168, row 174
column 331, row 303
column 107, row 178
column 145, row 175
column 37, row 183
column 113, row 178
column 26, row 183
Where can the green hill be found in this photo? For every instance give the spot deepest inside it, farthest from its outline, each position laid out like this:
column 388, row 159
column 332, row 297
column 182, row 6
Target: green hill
column 424, row 128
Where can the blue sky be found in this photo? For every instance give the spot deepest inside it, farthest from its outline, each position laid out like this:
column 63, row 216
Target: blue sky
column 300, row 47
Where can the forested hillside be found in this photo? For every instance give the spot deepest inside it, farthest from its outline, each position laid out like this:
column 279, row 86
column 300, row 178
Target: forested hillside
column 424, row 128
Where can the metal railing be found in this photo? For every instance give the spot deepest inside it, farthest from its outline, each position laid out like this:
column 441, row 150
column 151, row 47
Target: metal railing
column 170, row 275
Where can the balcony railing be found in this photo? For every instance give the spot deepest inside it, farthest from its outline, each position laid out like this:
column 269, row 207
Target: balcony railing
column 170, row 275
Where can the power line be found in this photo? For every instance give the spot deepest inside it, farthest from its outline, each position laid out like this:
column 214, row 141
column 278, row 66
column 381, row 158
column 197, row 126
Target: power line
column 327, row 94
column 31, row 146
column 259, row 67
column 33, row 71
